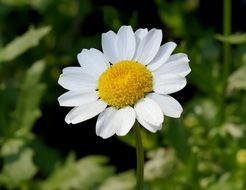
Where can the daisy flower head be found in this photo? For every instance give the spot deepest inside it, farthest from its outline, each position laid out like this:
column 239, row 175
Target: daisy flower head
column 130, row 80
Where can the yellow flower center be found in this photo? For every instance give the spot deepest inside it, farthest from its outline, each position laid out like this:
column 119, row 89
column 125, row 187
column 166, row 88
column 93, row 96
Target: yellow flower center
column 124, row 83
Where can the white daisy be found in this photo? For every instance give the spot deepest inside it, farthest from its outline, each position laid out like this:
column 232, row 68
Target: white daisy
column 130, row 80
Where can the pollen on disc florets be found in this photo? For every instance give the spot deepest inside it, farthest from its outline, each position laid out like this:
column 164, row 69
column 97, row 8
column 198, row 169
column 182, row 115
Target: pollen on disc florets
column 124, row 83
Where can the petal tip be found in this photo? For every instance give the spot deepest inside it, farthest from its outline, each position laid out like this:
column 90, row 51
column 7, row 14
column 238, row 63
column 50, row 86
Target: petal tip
column 67, row 121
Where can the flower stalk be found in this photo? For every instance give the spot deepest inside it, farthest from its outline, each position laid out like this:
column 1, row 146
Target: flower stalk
column 226, row 54
column 140, row 157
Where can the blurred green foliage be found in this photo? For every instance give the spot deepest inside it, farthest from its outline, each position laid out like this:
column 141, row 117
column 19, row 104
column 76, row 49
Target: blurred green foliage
column 197, row 151
column 23, row 43
column 86, row 173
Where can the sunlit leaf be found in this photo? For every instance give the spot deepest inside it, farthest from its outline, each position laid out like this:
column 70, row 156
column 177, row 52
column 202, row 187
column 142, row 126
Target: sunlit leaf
column 37, row 4
column 12, row 146
column 236, row 131
column 237, row 80
column 18, row 168
column 123, row 181
column 84, row 174
column 163, row 170
column 226, row 182
column 27, row 111
column 21, row 44
column 237, row 38
column 162, row 164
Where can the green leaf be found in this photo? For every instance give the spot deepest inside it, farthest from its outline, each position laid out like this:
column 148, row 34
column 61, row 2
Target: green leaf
column 172, row 15
column 84, row 174
column 134, row 19
column 237, row 38
column 21, row 44
column 123, row 181
column 12, row 146
column 178, row 138
column 7, row 101
column 204, row 61
column 162, row 164
column 18, row 168
column 227, row 182
column 237, row 80
column 43, row 153
column 27, row 111
column 38, row 4
column 164, row 170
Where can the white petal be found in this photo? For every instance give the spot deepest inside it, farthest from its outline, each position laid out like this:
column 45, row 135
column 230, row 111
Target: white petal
column 125, row 119
column 113, row 121
column 141, row 33
column 105, row 126
column 109, row 46
column 78, row 81
column 77, row 98
column 168, row 104
column 85, row 112
column 166, row 84
column 162, row 56
column 126, row 43
column 73, row 70
column 148, row 46
column 149, row 114
column 177, row 64
column 178, row 57
column 93, row 61
column 149, row 126
column 176, row 68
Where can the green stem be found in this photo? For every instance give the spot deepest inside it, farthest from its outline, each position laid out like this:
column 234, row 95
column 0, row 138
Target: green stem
column 226, row 55
column 140, row 157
